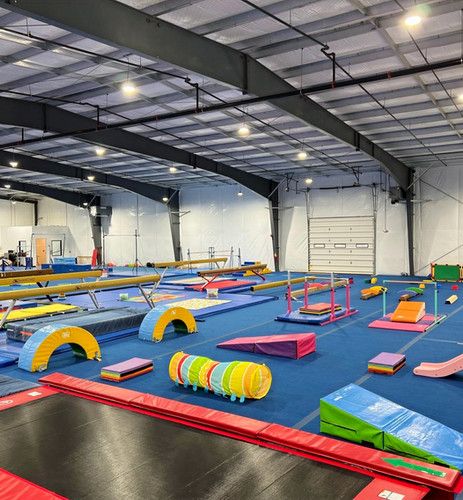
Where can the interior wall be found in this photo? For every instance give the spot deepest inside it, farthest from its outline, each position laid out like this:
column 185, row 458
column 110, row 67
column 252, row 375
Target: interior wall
column 55, row 213
column 438, row 218
column 151, row 220
column 218, row 217
column 391, row 226
column 13, row 217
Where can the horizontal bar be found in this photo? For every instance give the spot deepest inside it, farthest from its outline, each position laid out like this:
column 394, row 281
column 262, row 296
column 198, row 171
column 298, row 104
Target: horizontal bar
column 179, row 263
column 42, row 278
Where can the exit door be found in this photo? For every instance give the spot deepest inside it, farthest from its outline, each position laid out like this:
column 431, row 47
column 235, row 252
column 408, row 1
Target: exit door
column 40, row 251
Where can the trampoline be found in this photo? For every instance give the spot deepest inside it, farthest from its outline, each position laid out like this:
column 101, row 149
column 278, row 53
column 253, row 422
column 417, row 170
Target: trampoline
column 133, row 445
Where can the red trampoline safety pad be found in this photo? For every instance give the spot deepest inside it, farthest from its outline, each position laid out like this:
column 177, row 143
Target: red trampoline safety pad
column 259, row 432
column 13, row 487
column 23, row 397
column 387, row 488
column 223, row 284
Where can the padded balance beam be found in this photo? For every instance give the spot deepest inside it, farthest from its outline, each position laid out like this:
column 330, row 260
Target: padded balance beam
column 180, row 263
column 50, row 277
column 337, row 283
column 31, row 272
column 444, row 481
column 214, row 273
column 276, row 284
column 78, row 287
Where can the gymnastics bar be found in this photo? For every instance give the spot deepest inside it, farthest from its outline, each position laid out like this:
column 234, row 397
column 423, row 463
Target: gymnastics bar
column 50, row 277
column 31, row 272
column 337, row 283
column 433, row 283
column 255, row 268
column 275, row 284
column 86, row 286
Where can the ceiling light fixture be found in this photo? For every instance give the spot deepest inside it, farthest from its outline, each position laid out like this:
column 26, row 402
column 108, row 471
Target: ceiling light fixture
column 240, row 193
column 412, row 20
column 100, row 151
column 13, row 163
column 85, row 204
column 129, row 88
column 91, row 178
column 13, row 202
column 244, row 131
column 165, row 199
column 7, row 186
column 308, row 181
column 302, row 155
column 172, row 170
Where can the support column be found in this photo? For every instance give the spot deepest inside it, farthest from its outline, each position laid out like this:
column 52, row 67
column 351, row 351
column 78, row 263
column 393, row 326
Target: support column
column 174, row 218
column 95, row 223
column 275, row 227
column 409, row 194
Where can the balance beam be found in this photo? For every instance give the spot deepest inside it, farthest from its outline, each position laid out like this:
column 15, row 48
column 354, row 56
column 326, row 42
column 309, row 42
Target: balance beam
column 255, row 268
column 31, row 272
column 179, row 263
column 86, row 286
column 43, row 278
column 275, row 284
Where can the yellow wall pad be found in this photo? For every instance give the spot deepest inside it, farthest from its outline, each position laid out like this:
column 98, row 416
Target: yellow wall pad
column 34, row 312
column 230, row 270
column 39, row 347
column 78, row 287
column 31, row 272
column 156, row 321
column 179, row 263
column 275, row 284
column 51, row 277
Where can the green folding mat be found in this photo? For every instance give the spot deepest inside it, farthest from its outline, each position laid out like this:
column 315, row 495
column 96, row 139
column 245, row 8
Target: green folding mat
column 446, row 272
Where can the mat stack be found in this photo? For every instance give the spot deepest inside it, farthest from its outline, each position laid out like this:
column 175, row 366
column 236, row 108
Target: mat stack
column 126, row 369
column 319, row 308
column 386, row 363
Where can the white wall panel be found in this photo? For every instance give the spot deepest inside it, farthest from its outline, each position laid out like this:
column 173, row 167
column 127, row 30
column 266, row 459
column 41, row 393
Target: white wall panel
column 221, row 219
column 12, row 215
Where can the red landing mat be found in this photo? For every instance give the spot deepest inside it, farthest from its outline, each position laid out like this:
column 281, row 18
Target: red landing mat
column 392, row 490
column 23, row 397
column 222, row 285
column 13, row 487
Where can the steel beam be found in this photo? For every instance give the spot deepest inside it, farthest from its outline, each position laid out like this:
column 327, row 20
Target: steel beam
column 40, row 116
column 43, row 166
column 158, row 39
column 410, row 227
column 174, row 218
column 76, row 198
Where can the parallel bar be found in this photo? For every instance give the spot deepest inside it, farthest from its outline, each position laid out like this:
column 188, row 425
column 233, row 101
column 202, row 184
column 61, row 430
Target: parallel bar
column 78, row 287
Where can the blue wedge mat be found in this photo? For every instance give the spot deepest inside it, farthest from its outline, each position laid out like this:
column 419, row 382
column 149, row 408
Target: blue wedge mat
column 10, row 385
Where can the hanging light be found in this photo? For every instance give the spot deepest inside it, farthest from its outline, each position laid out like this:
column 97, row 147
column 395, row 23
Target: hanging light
column 91, row 178
column 13, row 163
column 412, row 20
column 172, row 170
column 13, row 202
column 244, row 131
column 302, row 155
column 7, row 186
column 100, row 151
column 165, row 199
column 240, row 193
column 129, row 88
column 85, row 204
column 308, row 181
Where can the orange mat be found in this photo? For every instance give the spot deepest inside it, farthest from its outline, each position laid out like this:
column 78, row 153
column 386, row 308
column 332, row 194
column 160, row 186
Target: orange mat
column 409, row 312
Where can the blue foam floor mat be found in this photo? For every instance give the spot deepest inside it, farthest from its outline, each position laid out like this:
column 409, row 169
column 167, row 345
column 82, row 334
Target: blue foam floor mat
column 10, row 385
column 343, row 351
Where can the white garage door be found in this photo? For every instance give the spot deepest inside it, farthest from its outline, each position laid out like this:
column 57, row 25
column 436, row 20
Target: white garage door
column 342, row 244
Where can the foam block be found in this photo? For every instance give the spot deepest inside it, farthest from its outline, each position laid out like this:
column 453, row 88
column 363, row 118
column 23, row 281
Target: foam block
column 358, row 415
column 409, row 312
column 291, row 345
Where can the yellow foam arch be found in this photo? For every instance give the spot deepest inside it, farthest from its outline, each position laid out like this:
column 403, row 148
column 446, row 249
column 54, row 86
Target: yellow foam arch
column 41, row 345
column 158, row 319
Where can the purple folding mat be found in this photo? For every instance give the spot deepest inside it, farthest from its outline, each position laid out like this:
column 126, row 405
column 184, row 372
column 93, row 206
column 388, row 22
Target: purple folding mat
column 387, row 359
column 291, row 345
column 128, row 366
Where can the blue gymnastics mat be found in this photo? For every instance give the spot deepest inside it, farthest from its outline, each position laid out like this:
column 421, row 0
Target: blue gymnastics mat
column 10, row 385
column 307, row 319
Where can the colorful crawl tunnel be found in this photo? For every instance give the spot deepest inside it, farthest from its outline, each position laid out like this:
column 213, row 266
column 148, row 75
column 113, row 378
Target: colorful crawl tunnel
column 237, row 379
column 158, row 319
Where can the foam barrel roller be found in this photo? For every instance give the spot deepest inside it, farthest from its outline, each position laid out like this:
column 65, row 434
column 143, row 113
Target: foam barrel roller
column 237, row 379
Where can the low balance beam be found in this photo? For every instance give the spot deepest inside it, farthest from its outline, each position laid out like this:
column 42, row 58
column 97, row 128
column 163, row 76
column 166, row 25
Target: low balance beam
column 276, row 284
column 43, row 278
column 180, row 263
column 214, row 273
